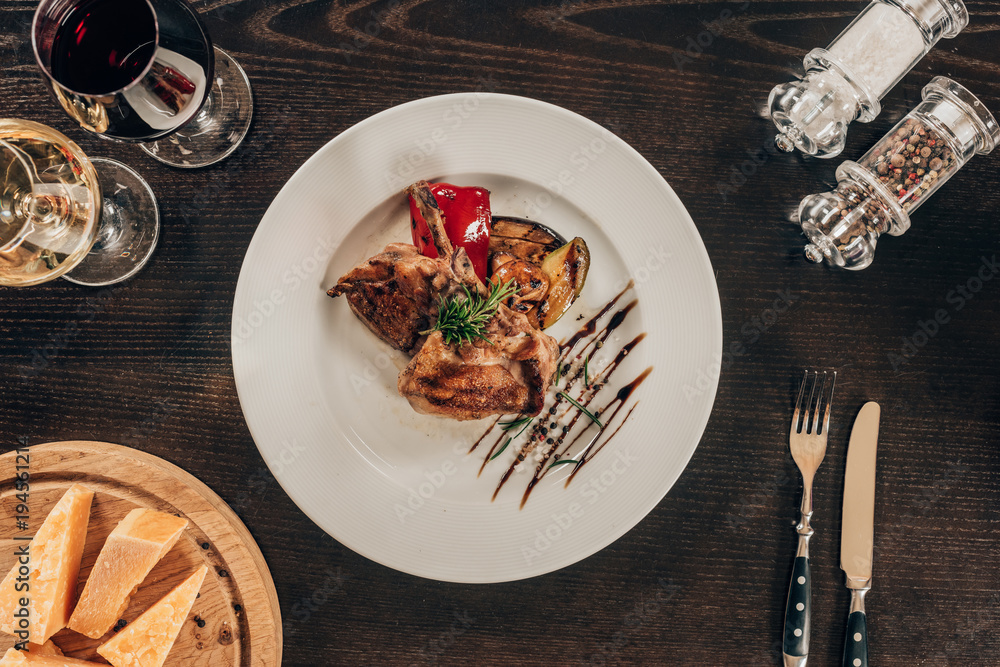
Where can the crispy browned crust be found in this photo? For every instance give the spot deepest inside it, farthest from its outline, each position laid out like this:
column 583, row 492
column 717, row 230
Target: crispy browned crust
column 395, row 293
column 508, row 374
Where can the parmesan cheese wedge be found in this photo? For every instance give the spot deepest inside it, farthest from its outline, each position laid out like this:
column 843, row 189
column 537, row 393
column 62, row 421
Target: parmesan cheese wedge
column 36, row 606
column 48, row 648
column 136, row 544
column 14, row 657
column 146, row 641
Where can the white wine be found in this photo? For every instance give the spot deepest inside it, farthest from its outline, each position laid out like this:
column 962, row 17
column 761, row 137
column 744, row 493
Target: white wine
column 50, row 202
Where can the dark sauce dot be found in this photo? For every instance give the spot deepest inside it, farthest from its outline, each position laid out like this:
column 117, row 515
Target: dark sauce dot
column 205, row 545
column 223, row 573
column 238, row 607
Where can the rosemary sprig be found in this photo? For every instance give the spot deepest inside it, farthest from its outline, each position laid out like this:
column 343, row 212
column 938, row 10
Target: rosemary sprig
column 558, row 373
column 582, row 409
column 562, row 461
column 463, row 318
column 500, row 451
column 586, row 371
column 523, row 422
column 520, row 421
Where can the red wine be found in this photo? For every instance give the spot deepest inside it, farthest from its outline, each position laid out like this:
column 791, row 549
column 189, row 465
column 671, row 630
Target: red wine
column 101, row 46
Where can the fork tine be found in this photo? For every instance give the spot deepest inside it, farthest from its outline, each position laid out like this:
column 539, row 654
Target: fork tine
column 817, row 406
column 829, row 403
column 798, row 403
column 809, row 419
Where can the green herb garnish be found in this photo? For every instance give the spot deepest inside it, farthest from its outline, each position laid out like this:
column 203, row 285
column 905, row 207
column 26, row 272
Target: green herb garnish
column 463, row 318
column 523, row 423
column 581, row 408
column 500, row 451
column 586, row 372
column 562, row 461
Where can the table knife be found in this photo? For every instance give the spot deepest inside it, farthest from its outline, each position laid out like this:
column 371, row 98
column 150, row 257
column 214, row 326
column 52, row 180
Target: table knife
column 857, row 538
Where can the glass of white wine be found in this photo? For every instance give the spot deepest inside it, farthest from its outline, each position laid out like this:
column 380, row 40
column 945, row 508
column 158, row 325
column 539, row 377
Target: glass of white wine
column 59, row 218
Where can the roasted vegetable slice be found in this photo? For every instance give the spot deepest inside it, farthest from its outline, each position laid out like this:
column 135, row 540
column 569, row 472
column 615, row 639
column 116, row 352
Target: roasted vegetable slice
column 524, row 239
column 566, row 268
column 532, row 284
column 466, row 213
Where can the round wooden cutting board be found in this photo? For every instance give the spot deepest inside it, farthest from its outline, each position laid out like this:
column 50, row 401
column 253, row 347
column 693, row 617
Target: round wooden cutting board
column 234, row 621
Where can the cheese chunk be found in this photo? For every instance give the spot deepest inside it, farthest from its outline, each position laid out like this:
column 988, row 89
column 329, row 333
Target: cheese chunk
column 136, row 544
column 48, row 648
column 13, row 657
column 146, row 641
column 53, row 560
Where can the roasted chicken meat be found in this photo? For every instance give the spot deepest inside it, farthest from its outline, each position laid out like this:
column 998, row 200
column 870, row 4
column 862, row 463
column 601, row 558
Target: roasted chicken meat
column 395, row 293
column 507, row 373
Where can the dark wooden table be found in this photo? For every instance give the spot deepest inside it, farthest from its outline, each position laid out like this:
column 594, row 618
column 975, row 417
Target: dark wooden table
column 702, row 580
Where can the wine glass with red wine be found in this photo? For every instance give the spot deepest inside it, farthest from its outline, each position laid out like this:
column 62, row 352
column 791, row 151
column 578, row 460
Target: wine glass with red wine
column 144, row 71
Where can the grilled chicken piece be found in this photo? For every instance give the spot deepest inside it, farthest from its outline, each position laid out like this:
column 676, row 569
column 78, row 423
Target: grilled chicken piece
column 395, row 293
column 508, row 374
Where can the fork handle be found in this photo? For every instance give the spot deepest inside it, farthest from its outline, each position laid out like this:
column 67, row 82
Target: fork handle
column 795, row 645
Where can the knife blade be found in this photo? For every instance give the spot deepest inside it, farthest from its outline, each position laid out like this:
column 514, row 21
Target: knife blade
column 857, row 537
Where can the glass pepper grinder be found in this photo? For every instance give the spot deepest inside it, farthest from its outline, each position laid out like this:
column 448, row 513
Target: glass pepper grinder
column 877, row 194
column 846, row 80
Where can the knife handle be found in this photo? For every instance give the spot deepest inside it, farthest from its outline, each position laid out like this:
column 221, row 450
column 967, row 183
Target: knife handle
column 856, row 641
column 796, row 639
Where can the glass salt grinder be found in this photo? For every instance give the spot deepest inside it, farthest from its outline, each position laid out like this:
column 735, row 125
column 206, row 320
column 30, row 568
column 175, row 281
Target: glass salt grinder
column 846, row 80
column 878, row 193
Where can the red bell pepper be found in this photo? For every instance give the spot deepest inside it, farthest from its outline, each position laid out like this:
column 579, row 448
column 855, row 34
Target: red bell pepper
column 467, row 221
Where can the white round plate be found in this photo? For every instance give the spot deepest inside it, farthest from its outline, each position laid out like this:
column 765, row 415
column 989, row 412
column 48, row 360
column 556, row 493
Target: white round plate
column 318, row 389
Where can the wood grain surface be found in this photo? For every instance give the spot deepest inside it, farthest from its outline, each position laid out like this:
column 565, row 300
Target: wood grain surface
column 702, row 580
column 236, row 619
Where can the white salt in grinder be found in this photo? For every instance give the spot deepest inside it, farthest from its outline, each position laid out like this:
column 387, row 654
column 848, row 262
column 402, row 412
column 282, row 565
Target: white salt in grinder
column 846, row 80
column 877, row 194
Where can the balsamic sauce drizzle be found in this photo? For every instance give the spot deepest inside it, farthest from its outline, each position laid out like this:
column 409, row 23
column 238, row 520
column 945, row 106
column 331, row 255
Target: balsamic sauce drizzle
column 543, row 433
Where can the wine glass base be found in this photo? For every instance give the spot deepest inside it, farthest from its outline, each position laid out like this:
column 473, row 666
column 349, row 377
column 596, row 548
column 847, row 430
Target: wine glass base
column 127, row 231
column 218, row 128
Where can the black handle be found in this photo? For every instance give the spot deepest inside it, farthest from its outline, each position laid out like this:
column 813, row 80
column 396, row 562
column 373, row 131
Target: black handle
column 856, row 642
column 796, row 641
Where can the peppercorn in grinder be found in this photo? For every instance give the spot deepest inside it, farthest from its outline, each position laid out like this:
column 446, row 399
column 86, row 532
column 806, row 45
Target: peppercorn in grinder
column 877, row 194
column 846, row 80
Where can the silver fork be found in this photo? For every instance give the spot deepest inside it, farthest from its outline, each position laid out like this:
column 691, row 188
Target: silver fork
column 807, row 441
